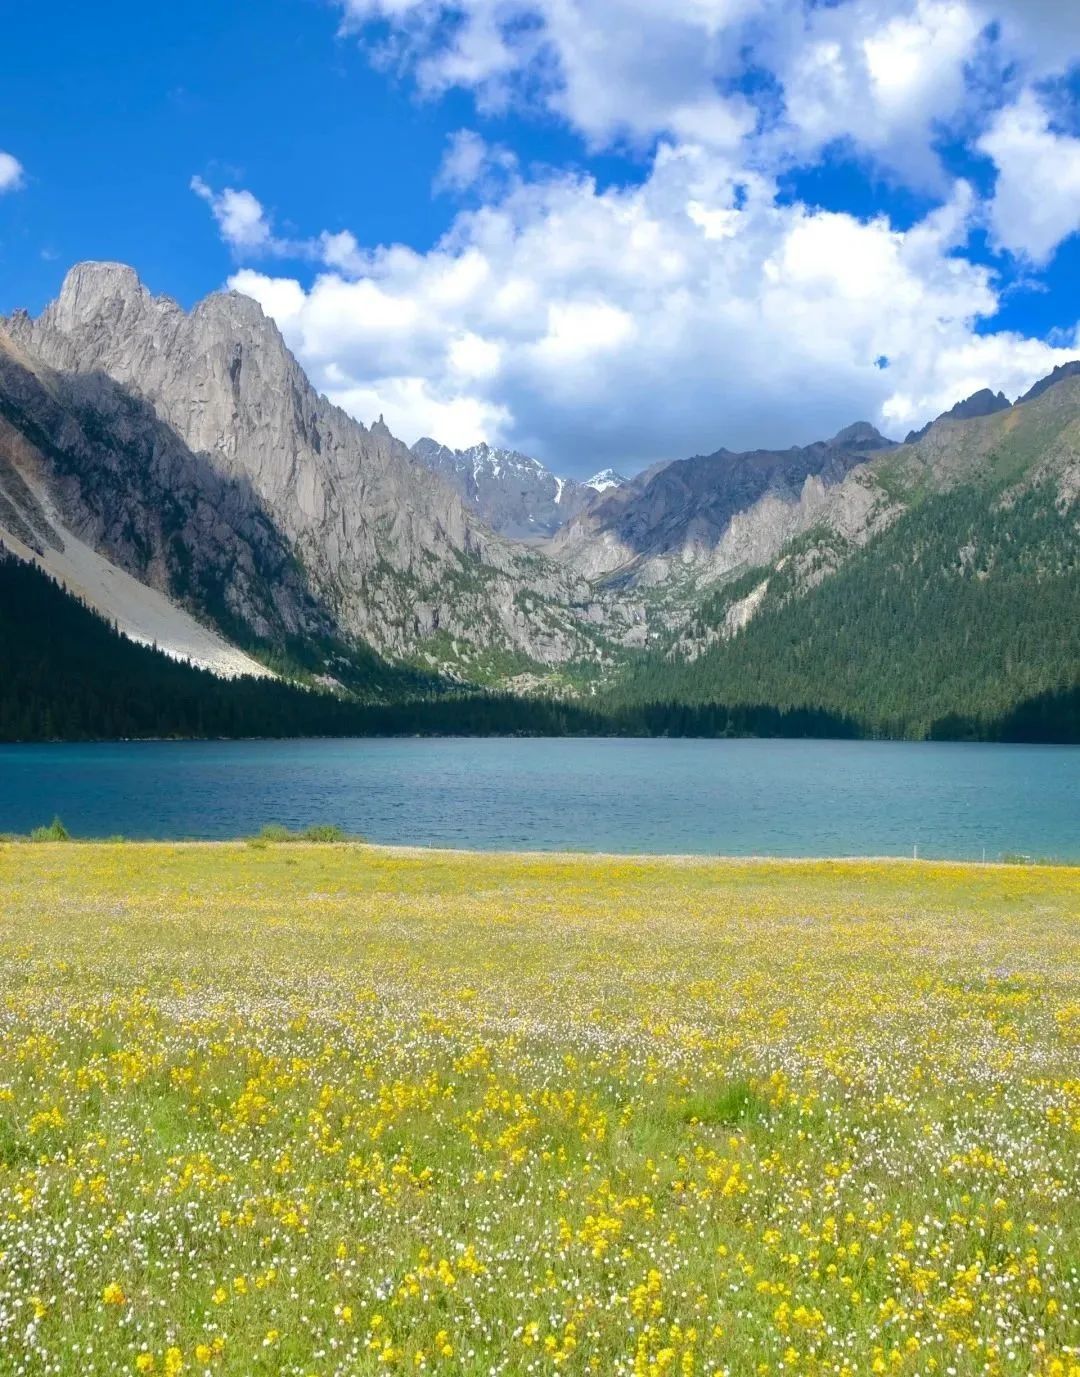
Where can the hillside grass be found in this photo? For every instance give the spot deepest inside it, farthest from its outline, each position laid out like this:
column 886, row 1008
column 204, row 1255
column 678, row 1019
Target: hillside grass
column 331, row 1109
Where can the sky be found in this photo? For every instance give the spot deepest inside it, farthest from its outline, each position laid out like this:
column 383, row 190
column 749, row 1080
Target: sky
column 604, row 232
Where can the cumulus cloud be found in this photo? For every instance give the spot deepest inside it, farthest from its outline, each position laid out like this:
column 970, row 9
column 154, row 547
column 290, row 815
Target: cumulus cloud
column 1036, row 202
column 245, row 226
column 470, row 163
column 1042, row 35
column 614, row 69
column 697, row 308
column 885, row 76
column 11, row 172
column 884, row 82
column 625, row 325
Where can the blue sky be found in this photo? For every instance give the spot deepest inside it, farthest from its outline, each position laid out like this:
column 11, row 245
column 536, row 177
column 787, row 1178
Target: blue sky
column 602, row 230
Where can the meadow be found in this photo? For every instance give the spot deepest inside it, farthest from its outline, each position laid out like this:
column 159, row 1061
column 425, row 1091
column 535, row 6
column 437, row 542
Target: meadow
column 328, row 1110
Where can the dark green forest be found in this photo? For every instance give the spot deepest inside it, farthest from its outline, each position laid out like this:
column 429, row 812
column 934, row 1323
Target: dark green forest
column 65, row 674
column 908, row 638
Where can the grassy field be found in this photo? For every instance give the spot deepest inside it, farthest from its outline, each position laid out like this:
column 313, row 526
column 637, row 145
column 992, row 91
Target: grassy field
column 324, row 1110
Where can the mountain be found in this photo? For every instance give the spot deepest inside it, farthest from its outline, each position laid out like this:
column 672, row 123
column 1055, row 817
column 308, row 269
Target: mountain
column 1063, row 371
column 107, row 499
column 981, row 403
column 66, row 674
column 711, row 514
column 513, row 494
column 189, row 450
column 605, row 480
column 176, row 472
column 935, row 595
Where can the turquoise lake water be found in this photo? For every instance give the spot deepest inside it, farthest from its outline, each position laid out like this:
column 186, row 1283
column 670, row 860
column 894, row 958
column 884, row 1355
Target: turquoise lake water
column 779, row 798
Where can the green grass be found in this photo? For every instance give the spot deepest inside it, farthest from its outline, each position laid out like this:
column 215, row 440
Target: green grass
column 331, row 1111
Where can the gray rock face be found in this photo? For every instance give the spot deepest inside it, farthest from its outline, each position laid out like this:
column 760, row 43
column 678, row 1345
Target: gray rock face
column 513, row 494
column 714, row 512
column 387, row 552
column 111, row 474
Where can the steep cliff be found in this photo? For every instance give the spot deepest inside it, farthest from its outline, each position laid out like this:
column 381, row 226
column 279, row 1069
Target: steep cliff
column 387, row 553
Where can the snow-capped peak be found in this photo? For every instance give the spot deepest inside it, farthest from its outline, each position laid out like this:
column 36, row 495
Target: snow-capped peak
column 605, row 479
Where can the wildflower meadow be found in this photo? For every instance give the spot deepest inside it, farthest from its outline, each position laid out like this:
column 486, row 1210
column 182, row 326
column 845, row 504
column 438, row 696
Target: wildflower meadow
column 326, row 1110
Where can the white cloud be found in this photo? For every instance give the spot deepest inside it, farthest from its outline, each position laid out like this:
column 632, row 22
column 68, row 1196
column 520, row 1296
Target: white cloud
column 696, row 308
column 880, row 76
column 245, row 225
column 1043, row 35
column 282, row 298
column 614, row 69
column 1036, row 202
column 690, row 312
column 884, row 75
column 472, row 164
column 11, row 173
column 413, row 407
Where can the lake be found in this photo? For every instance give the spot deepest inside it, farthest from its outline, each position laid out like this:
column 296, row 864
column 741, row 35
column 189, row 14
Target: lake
column 778, row 798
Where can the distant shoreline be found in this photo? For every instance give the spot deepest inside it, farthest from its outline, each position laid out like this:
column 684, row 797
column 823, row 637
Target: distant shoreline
column 690, row 859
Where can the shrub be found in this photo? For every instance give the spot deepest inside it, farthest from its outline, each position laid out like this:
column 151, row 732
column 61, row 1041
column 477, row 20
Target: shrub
column 55, row 832
column 324, row 832
column 274, row 833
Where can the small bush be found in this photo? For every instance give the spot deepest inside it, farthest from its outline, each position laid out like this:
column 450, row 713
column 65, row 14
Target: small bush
column 274, row 832
column 323, row 832
column 55, row 832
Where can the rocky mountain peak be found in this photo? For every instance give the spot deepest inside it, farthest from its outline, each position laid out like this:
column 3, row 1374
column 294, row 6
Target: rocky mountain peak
column 512, row 492
column 985, row 402
column 379, row 541
column 1063, row 371
column 605, row 480
column 234, row 309
column 861, row 435
column 94, row 290
column 98, row 280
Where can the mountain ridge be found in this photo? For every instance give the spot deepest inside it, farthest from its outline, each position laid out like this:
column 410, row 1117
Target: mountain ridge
column 512, row 493
column 178, row 470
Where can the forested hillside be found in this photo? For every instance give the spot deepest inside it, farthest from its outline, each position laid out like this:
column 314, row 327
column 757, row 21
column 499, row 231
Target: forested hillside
column 964, row 610
column 67, row 675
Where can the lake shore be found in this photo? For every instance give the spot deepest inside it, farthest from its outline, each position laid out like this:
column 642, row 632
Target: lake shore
column 357, row 846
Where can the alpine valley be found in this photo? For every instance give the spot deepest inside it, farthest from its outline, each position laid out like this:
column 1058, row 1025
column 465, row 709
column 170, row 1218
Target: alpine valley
column 230, row 554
